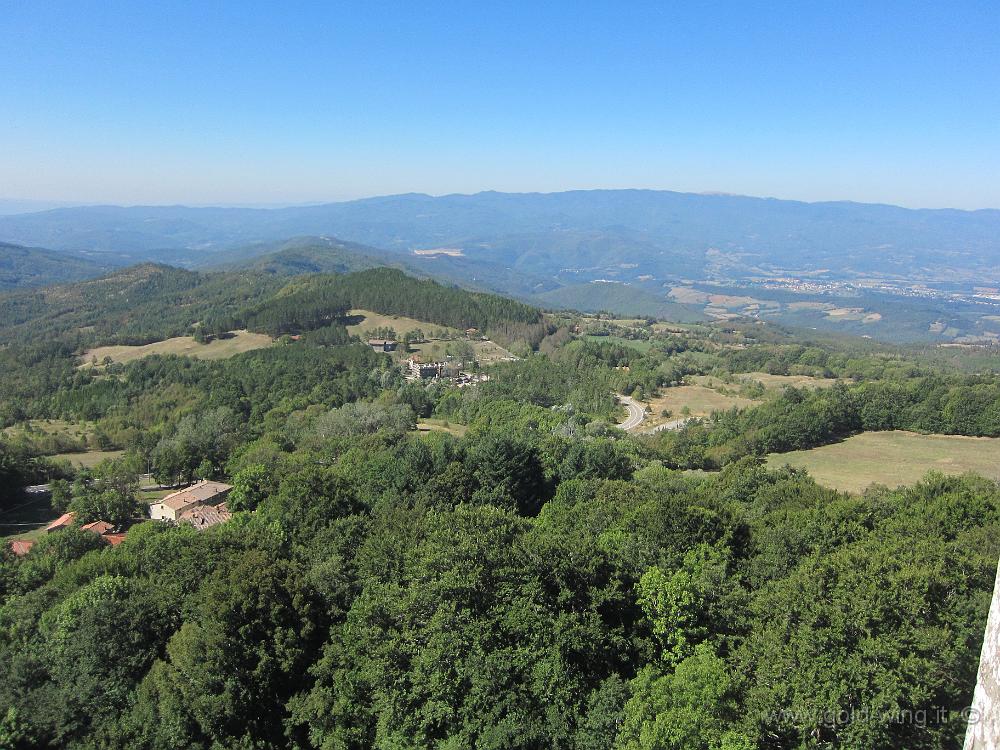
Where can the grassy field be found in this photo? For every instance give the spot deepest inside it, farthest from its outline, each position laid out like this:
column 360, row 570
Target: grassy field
column 488, row 352
column 699, row 399
column 398, row 323
column 88, row 459
column 442, row 425
column 223, row 348
column 51, row 427
column 49, row 436
column 894, row 458
column 777, row 382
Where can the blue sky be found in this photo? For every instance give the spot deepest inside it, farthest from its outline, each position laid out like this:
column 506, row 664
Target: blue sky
column 254, row 103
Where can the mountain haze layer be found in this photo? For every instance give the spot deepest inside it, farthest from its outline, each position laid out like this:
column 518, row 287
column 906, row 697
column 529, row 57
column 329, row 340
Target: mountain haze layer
column 571, row 233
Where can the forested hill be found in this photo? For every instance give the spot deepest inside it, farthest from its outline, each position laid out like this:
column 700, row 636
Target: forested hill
column 151, row 302
column 136, row 305
column 22, row 267
column 300, row 255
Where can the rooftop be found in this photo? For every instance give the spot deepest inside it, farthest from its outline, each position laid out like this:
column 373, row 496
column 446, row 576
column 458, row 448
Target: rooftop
column 98, row 527
column 200, row 492
column 204, row 516
column 21, row 547
column 66, row 519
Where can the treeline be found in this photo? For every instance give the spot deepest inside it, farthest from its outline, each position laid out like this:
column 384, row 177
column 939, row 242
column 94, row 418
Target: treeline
column 808, row 417
column 20, row 468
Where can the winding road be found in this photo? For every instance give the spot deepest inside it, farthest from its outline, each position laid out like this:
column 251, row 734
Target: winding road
column 636, row 413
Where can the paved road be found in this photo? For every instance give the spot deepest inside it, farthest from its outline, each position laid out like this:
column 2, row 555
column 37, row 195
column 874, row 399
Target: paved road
column 636, row 413
column 38, row 489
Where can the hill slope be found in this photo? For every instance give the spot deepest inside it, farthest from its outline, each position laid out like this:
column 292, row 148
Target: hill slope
column 23, row 267
column 619, row 299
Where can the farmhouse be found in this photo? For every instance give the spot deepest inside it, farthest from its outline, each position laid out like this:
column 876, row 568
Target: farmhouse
column 173, row 505
column 382, row 345
column 106, row 531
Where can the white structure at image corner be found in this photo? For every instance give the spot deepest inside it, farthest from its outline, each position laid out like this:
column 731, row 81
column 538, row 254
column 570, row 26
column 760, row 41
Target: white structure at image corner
column 984, row 723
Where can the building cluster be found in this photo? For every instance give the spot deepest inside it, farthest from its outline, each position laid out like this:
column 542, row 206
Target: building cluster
column 418, row 370
column 107, row 531
column 201, row 505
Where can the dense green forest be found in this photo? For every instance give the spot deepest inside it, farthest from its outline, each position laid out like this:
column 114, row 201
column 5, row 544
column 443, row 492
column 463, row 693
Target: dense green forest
column 500, row 591
column 538, row 579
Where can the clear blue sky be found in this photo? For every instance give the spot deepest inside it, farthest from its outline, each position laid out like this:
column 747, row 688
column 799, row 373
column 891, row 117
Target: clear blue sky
column 247, row 102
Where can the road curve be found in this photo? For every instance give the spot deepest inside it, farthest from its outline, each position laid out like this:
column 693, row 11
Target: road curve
column 636, row 413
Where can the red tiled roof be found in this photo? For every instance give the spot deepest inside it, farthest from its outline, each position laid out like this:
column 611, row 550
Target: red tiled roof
column 21, row 547
column 204, row 516
column 114, row 539
column 62, row 522
column 98, row 527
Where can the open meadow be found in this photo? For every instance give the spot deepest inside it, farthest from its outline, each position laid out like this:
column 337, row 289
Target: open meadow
column 778, row 382
column 236, row 342
column 86, row 459
column 698, row 400
column 893, row 459
column 366, row 320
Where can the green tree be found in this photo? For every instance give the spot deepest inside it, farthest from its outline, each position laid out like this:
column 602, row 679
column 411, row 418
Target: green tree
column 691, row 707
column 251, row 486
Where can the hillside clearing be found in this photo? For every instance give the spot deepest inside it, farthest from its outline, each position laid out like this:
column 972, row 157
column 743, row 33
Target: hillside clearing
column 699, row 400
column 87, row 459
column 783, row 381
column 893, row 459
column 220, row 348
column 366, row 320
column 442, row 425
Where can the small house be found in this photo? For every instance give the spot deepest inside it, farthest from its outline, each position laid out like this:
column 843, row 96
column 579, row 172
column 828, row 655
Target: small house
column 21, row 547
column 64, row 521
column 382, row 345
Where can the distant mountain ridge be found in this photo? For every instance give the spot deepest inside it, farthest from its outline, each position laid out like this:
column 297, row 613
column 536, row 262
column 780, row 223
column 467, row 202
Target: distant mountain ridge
column 586, row 234
column 549, row 249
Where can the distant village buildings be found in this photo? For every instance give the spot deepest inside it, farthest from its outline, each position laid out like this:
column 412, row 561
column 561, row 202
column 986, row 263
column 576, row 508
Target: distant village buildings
column 425, row 370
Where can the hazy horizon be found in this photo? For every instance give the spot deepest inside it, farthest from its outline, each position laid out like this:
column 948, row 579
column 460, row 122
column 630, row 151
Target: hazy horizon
column 13, row 206
column 221, row 105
